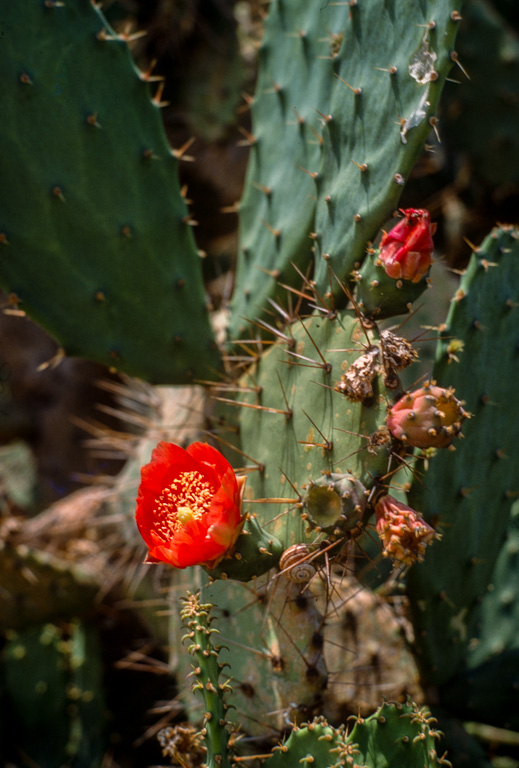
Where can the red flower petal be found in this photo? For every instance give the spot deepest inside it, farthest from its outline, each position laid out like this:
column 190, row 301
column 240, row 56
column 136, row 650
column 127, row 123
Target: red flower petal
column 406, row 250
column 188, row 505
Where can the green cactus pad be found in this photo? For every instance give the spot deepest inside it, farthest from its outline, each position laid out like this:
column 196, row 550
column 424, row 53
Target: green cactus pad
column 373, row 78
column 492, row 664
column 299, row 428
column 469, row 500
column 41, row 587
column 276, row 213
column 401, row 735
column 486, row 137
column 53, row 690
column 95, row 242
column 271, row 641
column 390, row 71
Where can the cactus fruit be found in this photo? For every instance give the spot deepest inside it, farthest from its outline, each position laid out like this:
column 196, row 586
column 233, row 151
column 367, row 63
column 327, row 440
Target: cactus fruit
column 429, row 417
column 95, row 235
column 404, row 534
column 406, row 250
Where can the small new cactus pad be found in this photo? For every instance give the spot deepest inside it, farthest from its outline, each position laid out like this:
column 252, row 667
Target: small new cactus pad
column 468, row 494
column 95, row 241
column 197, row 619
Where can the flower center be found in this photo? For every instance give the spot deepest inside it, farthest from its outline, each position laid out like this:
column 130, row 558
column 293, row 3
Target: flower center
column 187, row 498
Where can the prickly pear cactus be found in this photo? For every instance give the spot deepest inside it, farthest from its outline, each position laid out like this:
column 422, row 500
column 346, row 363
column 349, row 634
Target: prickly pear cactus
column 95, row 236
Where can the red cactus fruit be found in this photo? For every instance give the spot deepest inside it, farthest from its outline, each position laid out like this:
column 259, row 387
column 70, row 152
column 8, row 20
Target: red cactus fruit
column 189, row 505
column 404, row 534
column 429, row 417
column 406, row 250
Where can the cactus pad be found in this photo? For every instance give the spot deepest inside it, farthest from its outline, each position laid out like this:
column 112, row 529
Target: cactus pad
column 94, row 233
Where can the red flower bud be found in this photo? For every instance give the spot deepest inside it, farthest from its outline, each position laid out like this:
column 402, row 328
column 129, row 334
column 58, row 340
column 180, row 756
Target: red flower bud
column 404, row 534
column 406, row 250
column 189, row 505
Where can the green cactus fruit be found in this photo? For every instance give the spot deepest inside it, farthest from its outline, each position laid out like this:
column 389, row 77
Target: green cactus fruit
column 335, row 501
column 378, row 295
column 468, row 494
column 94, row 233
column 197, row 619
column 255, row 552
column 395, row 735
column 53, row 693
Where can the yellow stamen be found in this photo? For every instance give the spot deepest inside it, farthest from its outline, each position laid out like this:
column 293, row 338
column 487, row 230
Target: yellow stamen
column 187, row 498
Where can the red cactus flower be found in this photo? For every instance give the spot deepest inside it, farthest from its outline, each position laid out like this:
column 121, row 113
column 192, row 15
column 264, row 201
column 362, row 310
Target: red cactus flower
column 188, row 505
column 404, row 534
column 429, row 417
column 406, row 250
